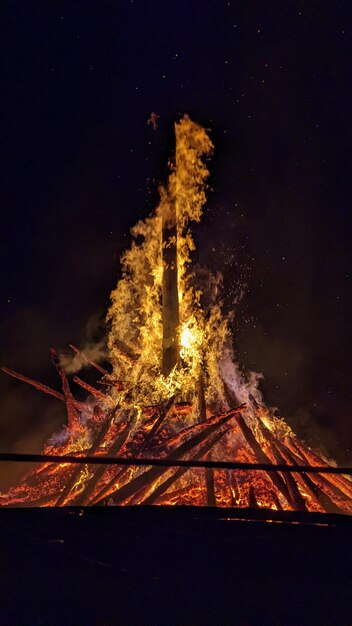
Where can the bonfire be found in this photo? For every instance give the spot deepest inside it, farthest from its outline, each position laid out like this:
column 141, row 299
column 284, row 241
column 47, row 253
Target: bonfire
column 173, row 389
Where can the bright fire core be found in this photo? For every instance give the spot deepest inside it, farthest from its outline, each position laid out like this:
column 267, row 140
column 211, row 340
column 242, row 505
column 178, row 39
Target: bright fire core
column 173, row 389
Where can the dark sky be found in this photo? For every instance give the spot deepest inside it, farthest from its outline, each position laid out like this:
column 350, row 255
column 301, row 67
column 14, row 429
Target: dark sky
column 80, row 166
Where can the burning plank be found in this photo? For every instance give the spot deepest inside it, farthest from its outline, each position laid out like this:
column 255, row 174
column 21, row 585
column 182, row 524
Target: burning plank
column 41, row 387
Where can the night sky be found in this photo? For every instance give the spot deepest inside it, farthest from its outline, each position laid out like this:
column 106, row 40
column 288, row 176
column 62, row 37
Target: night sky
column 81, row 165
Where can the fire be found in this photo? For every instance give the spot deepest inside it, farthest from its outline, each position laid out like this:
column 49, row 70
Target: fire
column 191, row 341
column 173, row 389
column 136, row 312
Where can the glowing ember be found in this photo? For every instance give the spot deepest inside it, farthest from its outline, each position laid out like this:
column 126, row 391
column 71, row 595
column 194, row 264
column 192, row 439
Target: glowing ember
column 173, row 385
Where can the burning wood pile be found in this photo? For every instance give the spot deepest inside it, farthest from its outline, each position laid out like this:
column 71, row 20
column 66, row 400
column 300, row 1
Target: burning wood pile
column 173, row 390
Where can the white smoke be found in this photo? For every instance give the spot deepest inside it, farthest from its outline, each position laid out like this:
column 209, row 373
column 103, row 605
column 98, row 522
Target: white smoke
column 90, row 352
column 241, row 385
column 59, row 438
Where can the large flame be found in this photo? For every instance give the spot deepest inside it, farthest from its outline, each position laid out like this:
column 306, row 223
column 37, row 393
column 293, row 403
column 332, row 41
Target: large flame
column 136, row 311
column 188, row 413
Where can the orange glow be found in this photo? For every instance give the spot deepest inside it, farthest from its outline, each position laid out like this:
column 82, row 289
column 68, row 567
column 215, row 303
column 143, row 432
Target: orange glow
column 189, row 414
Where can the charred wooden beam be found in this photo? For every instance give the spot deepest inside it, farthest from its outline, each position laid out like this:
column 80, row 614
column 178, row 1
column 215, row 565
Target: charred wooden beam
column 310, row 457
column 118, row 384
column 262, row 457
column 202, row 407
column 307, row 485
column 299, row 503
column 41, row 387
column 171, row 351
column 161, row 489
column 163, row 412
column 181, row 439
column 296, row 498
column 208, row 472
column 277, row 501
column 318, row 496
column 108, row 487
column 170, row 288
column 129, row 489
column 72, row 415
column 95, row 392
column 125, row 352
column 121, row 438
column 190, row 432
column 210, row 485
column 252, row 500
column 99, row 440
column 121, row 472
column 235, row 493
column 333, row 488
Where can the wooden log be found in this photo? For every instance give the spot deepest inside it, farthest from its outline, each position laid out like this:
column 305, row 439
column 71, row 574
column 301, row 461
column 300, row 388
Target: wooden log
column 95, row 392
column 298, row 502
column 296, row 497
column 129, row 489
column 170, row 288
column 202, row 407
column 170, row 304
column 118, row 384
column 325, row 483
column 235, row 492
column 262, row 458
column 41, row 387
column 121, row 472
column 179, row 439
column 126, row 355
column 210, row 484
column 84, row 497
column 320, row 481
column 252, row 500
column 99, row 440
column 187, row 434
column 108, row 488
column 208, row 472
column 276, row 500
column 312, row 458
column 39, row 502
column 161, row 489
column 318, row 496
column 72, row 415
column 163, row 412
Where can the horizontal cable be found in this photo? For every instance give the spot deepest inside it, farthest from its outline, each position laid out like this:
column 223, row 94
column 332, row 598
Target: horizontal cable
column 229, row 465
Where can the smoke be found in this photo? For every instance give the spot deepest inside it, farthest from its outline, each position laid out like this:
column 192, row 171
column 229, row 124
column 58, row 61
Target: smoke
column 73, row 363
column 241, row 384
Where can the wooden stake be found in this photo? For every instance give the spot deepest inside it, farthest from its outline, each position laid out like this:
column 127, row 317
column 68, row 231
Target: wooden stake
column 170, row 289
column 171, row 354
column 208, row 472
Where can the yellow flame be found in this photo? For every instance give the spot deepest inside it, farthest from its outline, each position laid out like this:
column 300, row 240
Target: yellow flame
column 135, row 314
column 84, row 476
column 186, row 340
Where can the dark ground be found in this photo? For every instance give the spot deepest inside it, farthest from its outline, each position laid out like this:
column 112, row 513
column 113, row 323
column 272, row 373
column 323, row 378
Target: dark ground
column 172, row 566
